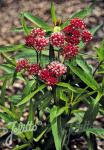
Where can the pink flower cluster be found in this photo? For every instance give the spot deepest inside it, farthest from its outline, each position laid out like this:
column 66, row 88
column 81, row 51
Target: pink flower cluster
column 32, row 69
column 52, row 72
column 37, row 39
column 57, row 39
column 22, row 64
column 74, row 33
column 57, row 69
column 67, row 40
column 48, row 75
column 77, row 31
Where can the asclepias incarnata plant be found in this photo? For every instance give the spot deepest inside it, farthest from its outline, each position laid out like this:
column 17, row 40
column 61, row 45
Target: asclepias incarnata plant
column 57, row 82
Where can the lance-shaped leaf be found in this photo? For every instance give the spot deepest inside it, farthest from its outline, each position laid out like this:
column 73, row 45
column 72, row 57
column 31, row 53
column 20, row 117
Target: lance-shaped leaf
column 85, row 77
column 27, row 98
column 100, row 51
column 56, row 127
column 7, row 118
column 11, row 48
column 82, row 13
column 23, row 21
column 99, row 132
column 53, row 12
column 3, row 91
column 69, row 87
column 90, row 114
column 37, row 21
column 9, row 112
column 20, row 29
column 83, row 64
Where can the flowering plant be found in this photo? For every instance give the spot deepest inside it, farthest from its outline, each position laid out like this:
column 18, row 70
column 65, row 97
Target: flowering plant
column 57, row 81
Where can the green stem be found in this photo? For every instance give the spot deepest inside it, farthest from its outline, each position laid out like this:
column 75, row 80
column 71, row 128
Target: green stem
column 54, row 95
column 51, row 53
column 37, row 55
column 59, row 53
column 40, row 54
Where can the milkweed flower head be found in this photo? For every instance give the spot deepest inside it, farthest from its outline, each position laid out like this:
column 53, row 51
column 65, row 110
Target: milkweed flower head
column 47, row 77
column 40, row 43
column 70, row 51
column 38, row 32
column 74, row 30
column 22, row 64
column 37, row 39
column 57, row 68
column 29, row 41
column 57, row 39
column 78, row 23
column 86, row 36
column 33, row 69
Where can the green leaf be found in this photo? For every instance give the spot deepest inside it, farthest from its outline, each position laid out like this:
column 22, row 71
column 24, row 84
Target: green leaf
column 8, row 59
column 60, row 111
column 97, row 131
column 61, row 95
column 98, row 97
column 100, row 51
column 27, row 98
column 85, row 77
column 3, row 91
column 68, row 86
column 9, row 112
column 90, row 114
column 31, row 112
column 14, row 76
column 53, row 12
column 11, row 48
column 27, row 53
column 19, row 147
column 44, row 101
column 83, row 64
column 82, row 13
column 40, row 136
column 27, row 88
column 55, row 125
column 14, row 98
column 20, row 29
column 37, row 21
column 7, row 68
column 7, row 118
column 83, row 97
column 23, row 21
